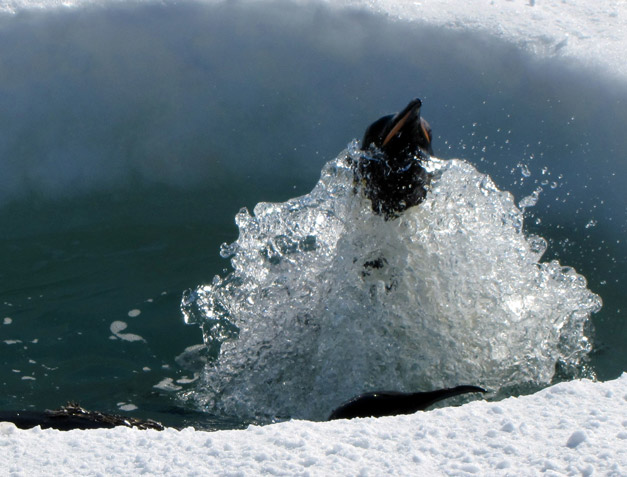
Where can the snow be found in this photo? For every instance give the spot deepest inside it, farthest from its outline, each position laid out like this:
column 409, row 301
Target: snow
column 594, row 32
column 574, row 428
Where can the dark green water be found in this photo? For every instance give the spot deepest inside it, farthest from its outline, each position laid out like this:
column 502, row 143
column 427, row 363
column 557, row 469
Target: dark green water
column 130, row 137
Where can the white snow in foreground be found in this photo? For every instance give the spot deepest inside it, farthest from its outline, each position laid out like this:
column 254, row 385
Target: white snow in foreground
column 594, row 31
column 574, row 428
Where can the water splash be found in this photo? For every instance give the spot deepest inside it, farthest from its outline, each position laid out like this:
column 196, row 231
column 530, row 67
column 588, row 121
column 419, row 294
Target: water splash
column 530, row 200
column 327, row 300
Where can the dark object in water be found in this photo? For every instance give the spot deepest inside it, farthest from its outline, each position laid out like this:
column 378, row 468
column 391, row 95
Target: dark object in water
column 390, row 403
column 391, row 170
column 72, row 416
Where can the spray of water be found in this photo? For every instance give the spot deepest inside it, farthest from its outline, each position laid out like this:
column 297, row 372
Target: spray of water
column 327, row 300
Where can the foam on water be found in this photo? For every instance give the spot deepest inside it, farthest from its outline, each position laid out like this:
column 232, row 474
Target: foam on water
column 327, row 300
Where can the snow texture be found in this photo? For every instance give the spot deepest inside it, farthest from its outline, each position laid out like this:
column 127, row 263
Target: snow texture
column 574, row 428
column 594, row 32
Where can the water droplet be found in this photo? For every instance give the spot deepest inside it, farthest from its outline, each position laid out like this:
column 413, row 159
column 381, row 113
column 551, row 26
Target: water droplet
column 531, row 199
column 524, row 170
column 591, row 223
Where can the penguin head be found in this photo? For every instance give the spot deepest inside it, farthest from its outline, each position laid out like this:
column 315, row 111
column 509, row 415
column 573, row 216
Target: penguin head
column 400, row 136
column 390, row 169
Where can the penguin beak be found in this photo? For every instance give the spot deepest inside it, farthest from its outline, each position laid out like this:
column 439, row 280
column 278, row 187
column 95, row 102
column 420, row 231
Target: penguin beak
column 426, row 130
column 401, row 118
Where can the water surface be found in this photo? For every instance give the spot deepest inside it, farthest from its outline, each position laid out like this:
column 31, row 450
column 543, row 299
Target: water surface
column 131, row 136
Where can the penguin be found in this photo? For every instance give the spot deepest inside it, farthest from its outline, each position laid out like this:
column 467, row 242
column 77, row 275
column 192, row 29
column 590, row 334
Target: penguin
column 391, row 167
column 390, row 403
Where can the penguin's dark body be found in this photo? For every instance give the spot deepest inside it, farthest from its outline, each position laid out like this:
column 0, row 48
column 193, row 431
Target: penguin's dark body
column 390, row 403
column 391, row 168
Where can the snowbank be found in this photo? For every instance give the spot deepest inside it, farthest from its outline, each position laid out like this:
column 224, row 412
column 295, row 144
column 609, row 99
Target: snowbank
column 592, row 31
column 575, row 428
